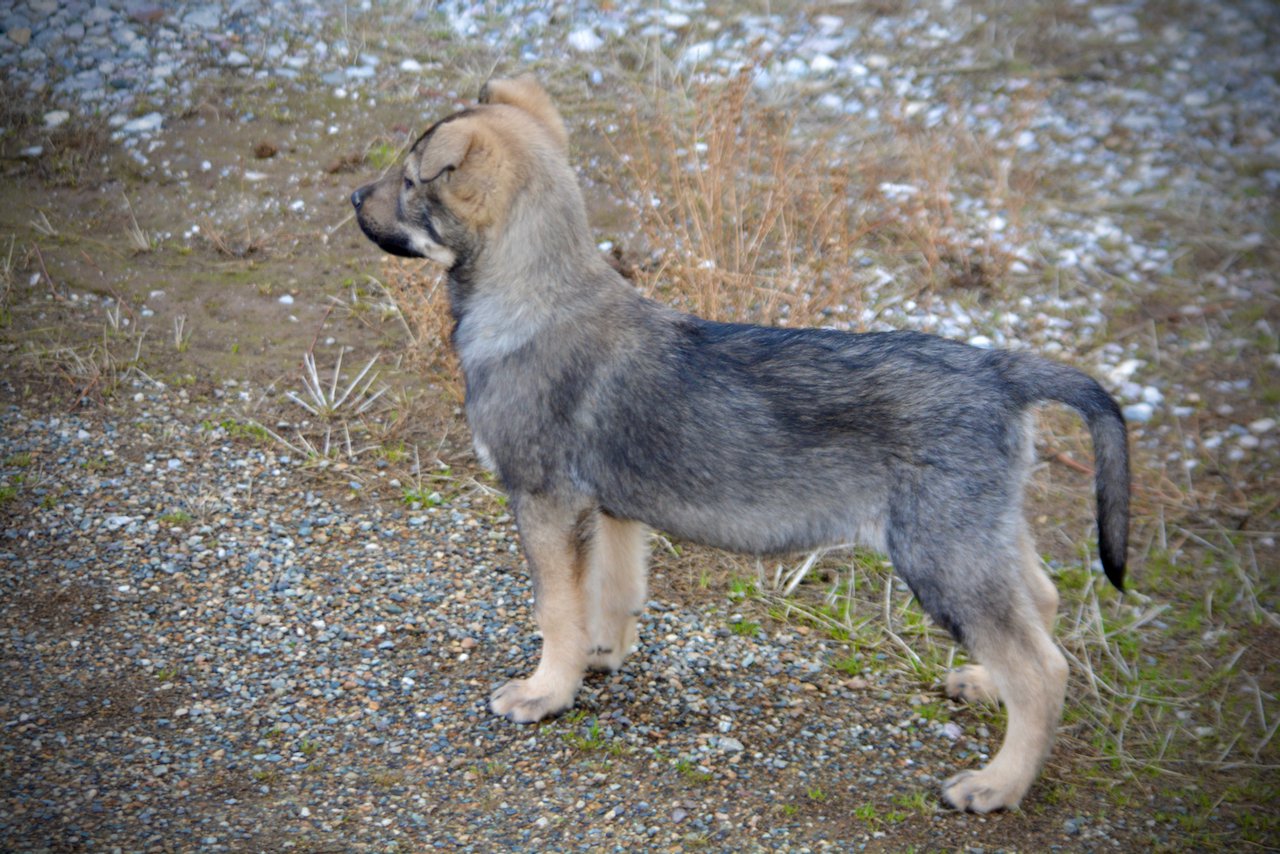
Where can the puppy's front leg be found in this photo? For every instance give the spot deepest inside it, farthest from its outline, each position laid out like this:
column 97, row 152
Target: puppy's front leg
column 557, row 537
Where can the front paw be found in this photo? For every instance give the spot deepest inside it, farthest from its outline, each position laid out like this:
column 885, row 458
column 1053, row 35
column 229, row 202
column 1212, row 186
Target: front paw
column 604, row 659
column 526, row 701
column 608, row 655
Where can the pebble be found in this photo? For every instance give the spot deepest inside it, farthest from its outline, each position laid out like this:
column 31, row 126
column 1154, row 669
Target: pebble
column 149, row 123
column 585, row 40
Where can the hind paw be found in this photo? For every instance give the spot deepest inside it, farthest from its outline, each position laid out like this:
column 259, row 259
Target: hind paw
column 972, row 684
column 983, row 791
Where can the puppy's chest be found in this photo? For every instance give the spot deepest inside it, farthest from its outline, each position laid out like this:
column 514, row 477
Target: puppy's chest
column 514, row 437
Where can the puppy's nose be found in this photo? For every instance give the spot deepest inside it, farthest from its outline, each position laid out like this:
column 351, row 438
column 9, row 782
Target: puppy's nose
column 358, row 197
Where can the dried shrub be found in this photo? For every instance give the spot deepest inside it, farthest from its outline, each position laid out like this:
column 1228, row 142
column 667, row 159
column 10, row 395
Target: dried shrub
column 745, row 217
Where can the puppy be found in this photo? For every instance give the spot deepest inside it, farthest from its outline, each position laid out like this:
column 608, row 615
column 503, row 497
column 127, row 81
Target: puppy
column 605, row 414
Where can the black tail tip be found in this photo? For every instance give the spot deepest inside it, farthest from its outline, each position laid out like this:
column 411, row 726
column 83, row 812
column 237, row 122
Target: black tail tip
column 1115, row 571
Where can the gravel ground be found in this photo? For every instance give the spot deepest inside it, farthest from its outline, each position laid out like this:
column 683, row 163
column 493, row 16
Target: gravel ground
column 211, row 644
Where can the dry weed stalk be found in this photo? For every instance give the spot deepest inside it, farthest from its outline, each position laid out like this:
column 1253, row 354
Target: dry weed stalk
column 341, row 411
column 41, row 225
column 138, row 239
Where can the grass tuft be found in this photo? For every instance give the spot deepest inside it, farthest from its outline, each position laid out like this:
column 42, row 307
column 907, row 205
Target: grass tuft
column 347, row 418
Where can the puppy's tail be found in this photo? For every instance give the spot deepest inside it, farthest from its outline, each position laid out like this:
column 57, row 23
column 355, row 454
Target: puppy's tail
column 1036, row 379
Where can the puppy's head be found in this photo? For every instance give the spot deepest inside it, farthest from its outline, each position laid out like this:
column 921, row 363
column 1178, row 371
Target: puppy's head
column 461, row 177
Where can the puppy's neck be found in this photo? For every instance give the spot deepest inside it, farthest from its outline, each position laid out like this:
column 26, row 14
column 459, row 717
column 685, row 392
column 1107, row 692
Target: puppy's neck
column 536, row 267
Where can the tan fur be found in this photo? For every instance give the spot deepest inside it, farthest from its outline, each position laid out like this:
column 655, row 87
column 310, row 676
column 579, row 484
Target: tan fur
column 616, row 591
column 525, row 93
column 973, row 683
column 1031, row 681
column 560, row 566
column 479, row 179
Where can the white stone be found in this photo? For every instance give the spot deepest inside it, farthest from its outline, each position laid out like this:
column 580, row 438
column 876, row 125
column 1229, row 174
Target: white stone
column 1139, row 412
column 822, row 64
column 829, row 24
column 149, row 123
column 204, row 18
column 795, row 67
column 696, row 53
column 585, row 40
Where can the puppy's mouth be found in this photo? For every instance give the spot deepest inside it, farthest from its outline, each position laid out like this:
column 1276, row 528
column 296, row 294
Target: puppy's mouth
column 392, row 244
column 388, row 229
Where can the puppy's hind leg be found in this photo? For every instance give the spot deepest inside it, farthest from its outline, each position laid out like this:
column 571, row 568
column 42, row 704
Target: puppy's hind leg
column 616, row 591
column 972, row 683
column 1008, row 635
column 979, row 592
column 557, row 538
column 1030, row 674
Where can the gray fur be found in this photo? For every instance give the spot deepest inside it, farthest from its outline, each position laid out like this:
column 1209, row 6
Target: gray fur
column 598, row 408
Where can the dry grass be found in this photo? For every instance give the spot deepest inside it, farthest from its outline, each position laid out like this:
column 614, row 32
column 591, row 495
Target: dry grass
column 418, row 291
column 8, row 275
column 346, row 411
column 742, row 217
column 136, row 238
column 96, row 370
column 746, row 215
column 925, row 167
column 245, row 241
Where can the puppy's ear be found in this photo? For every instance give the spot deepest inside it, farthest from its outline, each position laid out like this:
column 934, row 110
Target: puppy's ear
column 472, row 155
column 526, row 94
column 449, row 147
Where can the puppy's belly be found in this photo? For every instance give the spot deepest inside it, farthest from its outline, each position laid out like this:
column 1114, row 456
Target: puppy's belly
column 779, row 529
